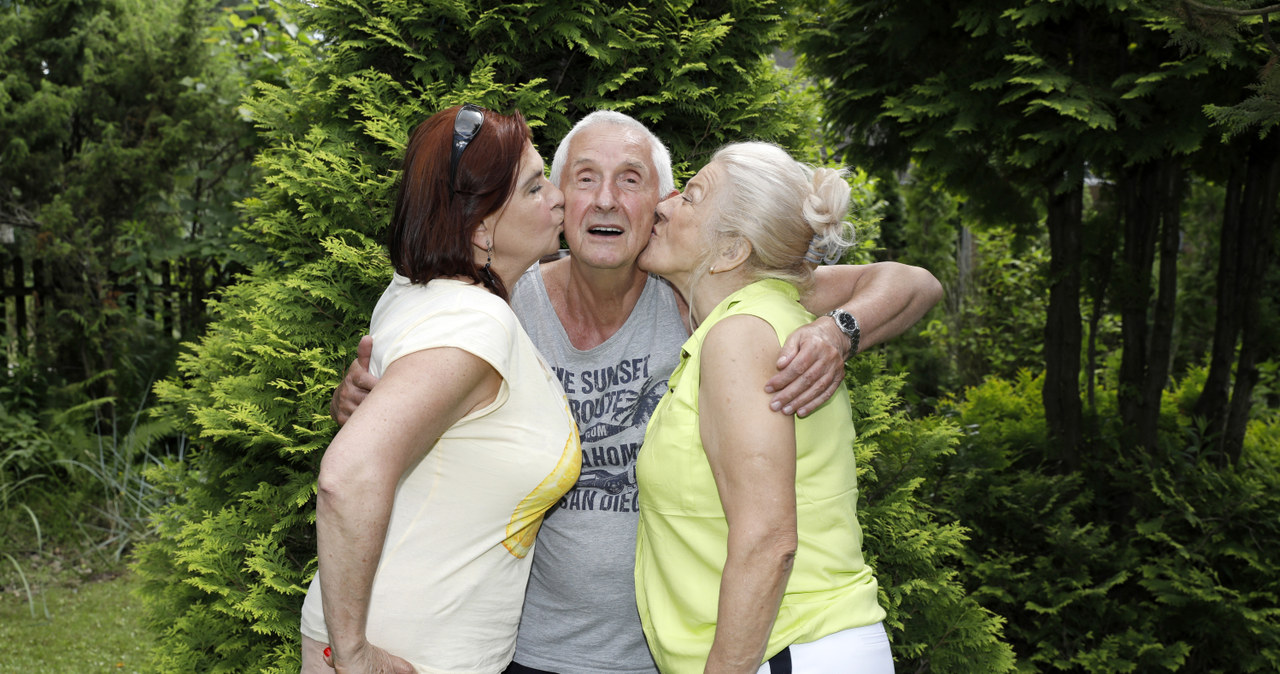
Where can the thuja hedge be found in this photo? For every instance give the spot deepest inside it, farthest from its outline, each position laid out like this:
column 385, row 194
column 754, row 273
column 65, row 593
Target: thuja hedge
column 935, row 624
column 225, row 579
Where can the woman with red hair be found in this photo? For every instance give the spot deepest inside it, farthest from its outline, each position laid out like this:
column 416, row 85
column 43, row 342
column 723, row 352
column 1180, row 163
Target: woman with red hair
column 430, row 497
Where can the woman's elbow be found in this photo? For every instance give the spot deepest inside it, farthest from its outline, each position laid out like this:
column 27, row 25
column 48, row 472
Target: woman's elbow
column 933, row 290
column 331, row 488
column 339, row 482
column 778, row 546
column 784, row 548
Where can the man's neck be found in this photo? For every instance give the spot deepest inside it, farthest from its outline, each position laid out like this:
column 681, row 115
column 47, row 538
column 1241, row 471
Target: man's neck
column 592, row 304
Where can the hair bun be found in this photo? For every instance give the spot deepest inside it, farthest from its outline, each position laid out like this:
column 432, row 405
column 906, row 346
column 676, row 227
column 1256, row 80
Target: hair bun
column 824, row 210
column 828, row 200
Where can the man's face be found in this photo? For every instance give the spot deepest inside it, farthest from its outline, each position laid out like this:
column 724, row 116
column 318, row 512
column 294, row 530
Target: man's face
column 610, row 192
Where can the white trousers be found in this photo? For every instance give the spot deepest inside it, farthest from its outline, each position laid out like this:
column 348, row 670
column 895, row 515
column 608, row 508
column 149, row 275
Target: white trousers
column 861, row 650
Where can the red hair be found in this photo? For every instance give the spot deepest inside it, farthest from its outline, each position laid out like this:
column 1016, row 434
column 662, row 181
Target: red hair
column 432, row 225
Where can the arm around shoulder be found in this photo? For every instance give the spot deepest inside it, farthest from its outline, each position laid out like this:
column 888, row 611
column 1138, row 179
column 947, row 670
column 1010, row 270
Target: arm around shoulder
column 887, row 298
column 355, row 386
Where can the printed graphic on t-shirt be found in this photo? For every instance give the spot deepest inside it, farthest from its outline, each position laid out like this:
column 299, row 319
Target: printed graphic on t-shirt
column 527, row 518
column 612, row 406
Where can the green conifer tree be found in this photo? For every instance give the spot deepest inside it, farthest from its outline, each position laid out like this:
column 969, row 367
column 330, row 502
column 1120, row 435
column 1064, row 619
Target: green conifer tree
column 933, row 623
column 225, row 580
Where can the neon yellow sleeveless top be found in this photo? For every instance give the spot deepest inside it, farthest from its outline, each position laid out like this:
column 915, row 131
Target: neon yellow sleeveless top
column 680, row 545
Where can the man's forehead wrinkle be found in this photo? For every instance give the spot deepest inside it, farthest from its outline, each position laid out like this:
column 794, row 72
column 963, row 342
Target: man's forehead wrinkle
column 636, row 150
column 583, row 156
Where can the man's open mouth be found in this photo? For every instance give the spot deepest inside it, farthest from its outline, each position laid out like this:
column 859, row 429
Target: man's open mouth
column 605, row 231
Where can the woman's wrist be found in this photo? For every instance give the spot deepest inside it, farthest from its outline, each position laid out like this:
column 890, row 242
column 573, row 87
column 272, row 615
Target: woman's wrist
column 347, row 647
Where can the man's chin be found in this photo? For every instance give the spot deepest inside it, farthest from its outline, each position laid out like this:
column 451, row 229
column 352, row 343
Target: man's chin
column 603, row 262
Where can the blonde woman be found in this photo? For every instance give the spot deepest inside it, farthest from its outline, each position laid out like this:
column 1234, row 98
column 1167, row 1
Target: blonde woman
column 749, row 554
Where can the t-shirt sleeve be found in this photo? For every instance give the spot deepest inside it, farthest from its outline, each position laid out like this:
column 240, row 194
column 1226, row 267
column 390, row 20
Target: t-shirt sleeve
column 482, row 325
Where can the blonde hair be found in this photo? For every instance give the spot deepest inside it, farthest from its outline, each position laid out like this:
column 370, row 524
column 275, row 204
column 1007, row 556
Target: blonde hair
column 782, row 208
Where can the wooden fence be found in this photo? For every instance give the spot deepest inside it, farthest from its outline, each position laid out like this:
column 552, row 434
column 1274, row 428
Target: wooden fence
column 20, row 291
column 173, row 297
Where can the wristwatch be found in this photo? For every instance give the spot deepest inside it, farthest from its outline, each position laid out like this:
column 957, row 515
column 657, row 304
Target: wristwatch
column 849, row 326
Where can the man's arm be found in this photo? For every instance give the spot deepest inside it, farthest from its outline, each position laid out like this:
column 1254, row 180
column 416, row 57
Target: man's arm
column 355, row 386
column 885, row 297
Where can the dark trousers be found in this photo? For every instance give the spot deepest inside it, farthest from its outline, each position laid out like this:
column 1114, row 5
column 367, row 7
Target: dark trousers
column 517, row 668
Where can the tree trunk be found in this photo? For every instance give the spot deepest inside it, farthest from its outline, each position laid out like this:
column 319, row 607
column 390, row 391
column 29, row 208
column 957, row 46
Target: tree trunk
column 1091, row 349
column 1160, row 353
column 1062, row 336
column 964, row 269
column 1211, row 407
column 1104, row 238
column 1151, row 197
column 1141, row 213
column 1248, row 228
column 1258, row 218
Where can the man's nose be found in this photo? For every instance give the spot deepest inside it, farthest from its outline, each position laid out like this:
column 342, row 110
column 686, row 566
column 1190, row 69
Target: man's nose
column 605, row 197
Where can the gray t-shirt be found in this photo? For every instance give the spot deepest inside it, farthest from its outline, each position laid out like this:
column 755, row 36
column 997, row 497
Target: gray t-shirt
column 580, row 607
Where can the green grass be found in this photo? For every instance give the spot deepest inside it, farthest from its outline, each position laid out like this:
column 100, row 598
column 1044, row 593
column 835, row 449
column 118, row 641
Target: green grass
column 93, row 627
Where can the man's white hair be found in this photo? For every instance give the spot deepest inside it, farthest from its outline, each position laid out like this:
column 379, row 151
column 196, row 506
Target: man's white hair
column 659, row 155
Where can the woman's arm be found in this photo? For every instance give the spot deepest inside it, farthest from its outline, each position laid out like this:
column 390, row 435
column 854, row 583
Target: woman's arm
column 753, row 457
column 396, row 426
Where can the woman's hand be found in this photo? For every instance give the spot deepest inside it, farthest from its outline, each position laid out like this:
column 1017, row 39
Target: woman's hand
column 367, row 658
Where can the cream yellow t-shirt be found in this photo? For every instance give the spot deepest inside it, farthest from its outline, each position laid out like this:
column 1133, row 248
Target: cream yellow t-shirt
column 451, row 580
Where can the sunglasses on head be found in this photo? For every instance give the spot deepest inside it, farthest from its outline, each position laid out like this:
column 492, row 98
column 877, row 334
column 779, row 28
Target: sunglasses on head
column 466, row 124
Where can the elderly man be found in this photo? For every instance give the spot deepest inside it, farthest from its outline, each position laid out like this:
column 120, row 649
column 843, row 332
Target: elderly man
column 613, row 335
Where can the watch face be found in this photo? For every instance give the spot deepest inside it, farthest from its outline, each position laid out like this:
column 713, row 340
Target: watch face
column 849, row 326
column 846, row 322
